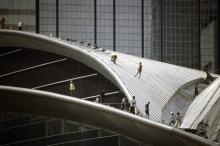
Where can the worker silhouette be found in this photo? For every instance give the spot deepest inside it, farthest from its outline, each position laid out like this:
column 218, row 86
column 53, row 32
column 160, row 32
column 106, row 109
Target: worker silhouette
column 139, row 70
column 196, row 93
column 113, row 58
column 72, row 88
column 147, row 108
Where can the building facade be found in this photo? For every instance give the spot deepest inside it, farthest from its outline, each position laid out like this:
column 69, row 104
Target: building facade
column 181, row 32
column 15, row 11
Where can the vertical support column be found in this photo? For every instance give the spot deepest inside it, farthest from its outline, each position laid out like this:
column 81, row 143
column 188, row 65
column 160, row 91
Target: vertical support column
column 95, row 22
column 142, row 28
column 57, row 18
column 114, row 27
column 37, row 11
column 199, row 37
column 161, row 30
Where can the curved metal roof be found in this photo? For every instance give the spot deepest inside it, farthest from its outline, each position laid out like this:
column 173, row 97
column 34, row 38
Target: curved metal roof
column 159, row 81
column 201, row 105
column 56, row 105
column 205, row 108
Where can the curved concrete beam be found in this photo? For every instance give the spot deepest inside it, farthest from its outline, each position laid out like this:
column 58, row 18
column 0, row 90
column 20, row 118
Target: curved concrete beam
column 56, row 105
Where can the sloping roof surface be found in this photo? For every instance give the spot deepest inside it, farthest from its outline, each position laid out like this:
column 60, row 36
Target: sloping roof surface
column 158, row 82
column 203, row 106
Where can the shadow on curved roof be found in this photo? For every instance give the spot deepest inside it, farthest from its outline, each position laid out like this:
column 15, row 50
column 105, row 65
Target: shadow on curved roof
column 56, row 105
column 158, row 82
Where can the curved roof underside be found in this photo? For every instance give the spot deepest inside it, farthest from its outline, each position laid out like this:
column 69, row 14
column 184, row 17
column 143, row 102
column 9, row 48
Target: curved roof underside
column 159, row 81
column 56, row 105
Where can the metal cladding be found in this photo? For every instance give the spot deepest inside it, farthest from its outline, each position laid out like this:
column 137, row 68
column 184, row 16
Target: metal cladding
column 157, row 83
column 205, row 108
column 201, row 105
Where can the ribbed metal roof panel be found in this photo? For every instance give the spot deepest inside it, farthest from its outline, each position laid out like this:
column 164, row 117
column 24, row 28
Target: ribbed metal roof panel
column 202, row 105
column 158, row 82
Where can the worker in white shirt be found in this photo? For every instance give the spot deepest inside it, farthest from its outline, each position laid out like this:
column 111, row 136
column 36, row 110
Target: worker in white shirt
column 20, row 25
column 132, row 105
column 72, row 88
column 172, row 119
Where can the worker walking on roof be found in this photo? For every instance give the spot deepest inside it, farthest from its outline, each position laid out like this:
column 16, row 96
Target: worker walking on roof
column 209, row 77
column 147, row 108
column 113, row 58
column 20, row 25
column 124, row 104
column 172, row 119
column 177, row 120
column 196, row 91
column 72, row 88
column 139, row 70
column 132, row 105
